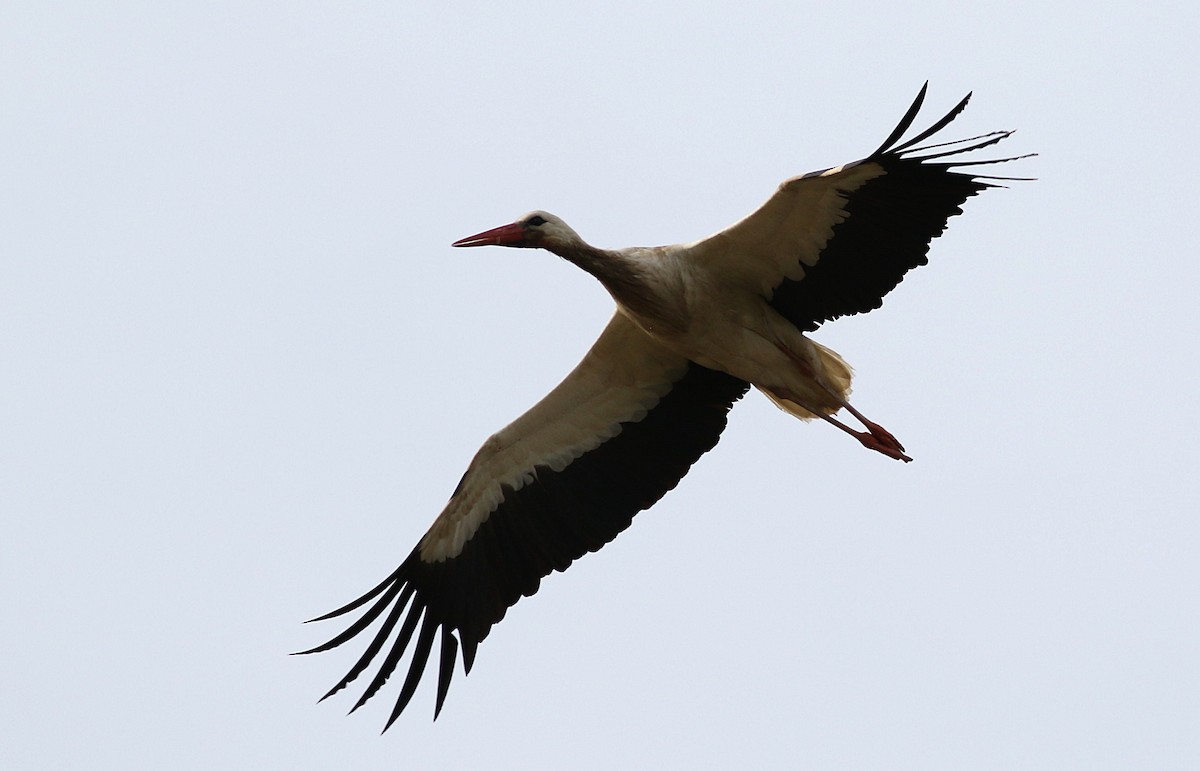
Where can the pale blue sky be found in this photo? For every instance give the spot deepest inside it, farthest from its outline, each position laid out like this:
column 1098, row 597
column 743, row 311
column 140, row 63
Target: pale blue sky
column 241, row 370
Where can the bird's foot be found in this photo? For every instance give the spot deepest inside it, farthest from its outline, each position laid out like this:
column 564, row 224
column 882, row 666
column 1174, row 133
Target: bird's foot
column 879, row 439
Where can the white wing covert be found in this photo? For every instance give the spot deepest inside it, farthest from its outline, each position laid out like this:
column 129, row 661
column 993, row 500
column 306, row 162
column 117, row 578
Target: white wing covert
column 835, row 242
column 561, row 480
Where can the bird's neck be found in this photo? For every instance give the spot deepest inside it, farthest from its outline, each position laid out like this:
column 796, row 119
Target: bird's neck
column 626, row 278
column 613, row 269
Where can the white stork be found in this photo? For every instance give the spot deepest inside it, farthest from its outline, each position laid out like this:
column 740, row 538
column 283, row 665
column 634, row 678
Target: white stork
column 695, row 326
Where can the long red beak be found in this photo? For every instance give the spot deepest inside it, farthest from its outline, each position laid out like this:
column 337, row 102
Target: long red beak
column 505, row 235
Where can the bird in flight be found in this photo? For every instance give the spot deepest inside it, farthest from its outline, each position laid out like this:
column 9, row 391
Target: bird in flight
column 695, row 326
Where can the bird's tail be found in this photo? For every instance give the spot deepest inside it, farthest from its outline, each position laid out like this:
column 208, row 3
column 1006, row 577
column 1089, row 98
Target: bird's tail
column 836, row 374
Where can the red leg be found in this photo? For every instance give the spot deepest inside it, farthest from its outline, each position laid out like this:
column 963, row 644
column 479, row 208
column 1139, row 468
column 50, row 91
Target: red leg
column 878, row 432
column 876, row 437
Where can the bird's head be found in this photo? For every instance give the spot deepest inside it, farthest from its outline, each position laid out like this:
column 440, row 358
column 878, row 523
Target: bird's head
column 535, row 229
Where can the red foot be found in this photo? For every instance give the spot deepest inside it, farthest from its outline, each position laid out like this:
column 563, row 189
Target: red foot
column 880, row 439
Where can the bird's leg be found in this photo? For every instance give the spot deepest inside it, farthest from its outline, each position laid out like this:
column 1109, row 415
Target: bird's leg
column 876, row 437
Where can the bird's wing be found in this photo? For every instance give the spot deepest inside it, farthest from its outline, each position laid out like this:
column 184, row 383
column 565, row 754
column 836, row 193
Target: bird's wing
column 563, row 479
column 834, row 242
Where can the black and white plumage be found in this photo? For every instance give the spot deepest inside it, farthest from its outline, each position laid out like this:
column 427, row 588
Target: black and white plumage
column 696, row 325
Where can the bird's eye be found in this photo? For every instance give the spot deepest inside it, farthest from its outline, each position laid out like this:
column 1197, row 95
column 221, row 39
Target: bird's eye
column 535, row 221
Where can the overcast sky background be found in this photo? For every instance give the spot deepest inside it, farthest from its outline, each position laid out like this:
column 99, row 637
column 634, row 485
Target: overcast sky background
column 241, row 370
